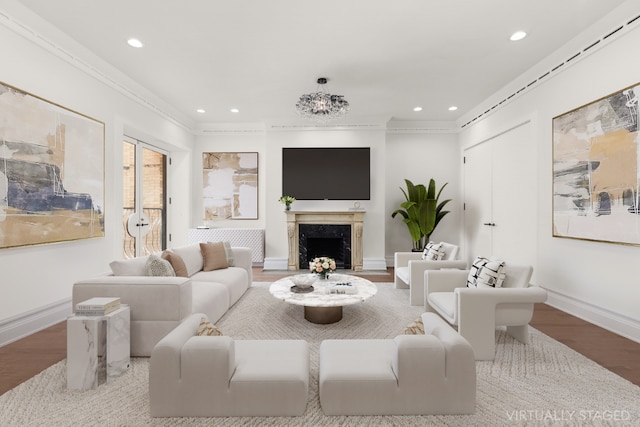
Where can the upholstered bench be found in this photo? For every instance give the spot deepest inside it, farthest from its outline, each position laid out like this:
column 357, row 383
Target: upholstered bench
column 205, row 376
column 434, row 373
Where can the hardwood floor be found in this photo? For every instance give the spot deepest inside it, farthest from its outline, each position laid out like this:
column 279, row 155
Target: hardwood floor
column 25, row 358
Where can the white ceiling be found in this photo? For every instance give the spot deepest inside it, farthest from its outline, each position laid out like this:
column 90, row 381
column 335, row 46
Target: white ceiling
column 384, row 56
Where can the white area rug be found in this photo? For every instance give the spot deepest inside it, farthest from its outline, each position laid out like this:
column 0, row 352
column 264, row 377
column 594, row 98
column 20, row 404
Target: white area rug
column 544, row 383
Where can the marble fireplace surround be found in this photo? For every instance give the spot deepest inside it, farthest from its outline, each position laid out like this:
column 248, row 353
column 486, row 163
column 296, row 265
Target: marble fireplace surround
column 351, row 218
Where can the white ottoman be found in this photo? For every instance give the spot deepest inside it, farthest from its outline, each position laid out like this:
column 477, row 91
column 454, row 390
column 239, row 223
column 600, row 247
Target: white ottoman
column 208, row 376
column 433, row 373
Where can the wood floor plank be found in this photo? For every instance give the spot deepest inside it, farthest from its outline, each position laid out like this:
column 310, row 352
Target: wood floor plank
column 25, row 358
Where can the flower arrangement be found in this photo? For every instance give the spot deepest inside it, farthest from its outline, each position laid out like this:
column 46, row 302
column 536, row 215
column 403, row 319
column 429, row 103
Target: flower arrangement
column 287, row 200
column 322, row 266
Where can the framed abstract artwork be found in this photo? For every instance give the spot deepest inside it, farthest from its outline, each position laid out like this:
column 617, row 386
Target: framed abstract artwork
column 595, row 170
column 230, row 186
column 51, row 172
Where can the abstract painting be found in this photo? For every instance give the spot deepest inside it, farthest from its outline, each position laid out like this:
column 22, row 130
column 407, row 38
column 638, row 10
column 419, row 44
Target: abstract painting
column 595, row 170
column 230, row 186
column 51, row 172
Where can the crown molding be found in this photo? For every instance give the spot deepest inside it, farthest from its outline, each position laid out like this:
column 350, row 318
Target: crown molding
column 564, row 58
column 96, row 68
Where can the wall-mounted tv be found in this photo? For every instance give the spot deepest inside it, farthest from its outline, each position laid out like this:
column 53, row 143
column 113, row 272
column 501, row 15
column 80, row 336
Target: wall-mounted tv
column 325, row 173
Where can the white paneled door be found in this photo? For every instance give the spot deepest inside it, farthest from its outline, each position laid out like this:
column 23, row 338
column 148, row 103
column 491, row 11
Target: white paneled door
column 501, row 197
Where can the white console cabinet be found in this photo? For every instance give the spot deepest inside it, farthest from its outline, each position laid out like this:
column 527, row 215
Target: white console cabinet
column 247, row 237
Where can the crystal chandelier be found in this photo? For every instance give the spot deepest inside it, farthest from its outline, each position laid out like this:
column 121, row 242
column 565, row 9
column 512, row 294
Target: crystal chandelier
column 322, row 106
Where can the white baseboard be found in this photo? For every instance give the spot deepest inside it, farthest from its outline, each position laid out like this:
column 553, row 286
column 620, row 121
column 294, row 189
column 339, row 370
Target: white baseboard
column 276, row 264
column 374, row 264
column 614, row 322
column 283, row 264
column 17, row 327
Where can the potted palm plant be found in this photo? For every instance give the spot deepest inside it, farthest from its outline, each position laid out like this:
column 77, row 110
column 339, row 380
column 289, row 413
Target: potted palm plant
column 421, row 211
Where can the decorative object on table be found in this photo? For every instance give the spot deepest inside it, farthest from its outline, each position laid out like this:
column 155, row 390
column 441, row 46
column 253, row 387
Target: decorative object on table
column 287, row 201
column 343, row 288
column 421, row 211
column 303, row 283
column 322, row 266
column 595, row 170
column 97, row 306
column 51, row 174
column 321, row 105
column 230, row 185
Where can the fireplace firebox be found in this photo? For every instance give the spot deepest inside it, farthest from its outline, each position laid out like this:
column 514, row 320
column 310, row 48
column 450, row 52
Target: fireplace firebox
column 330, row 240
column 298, row 257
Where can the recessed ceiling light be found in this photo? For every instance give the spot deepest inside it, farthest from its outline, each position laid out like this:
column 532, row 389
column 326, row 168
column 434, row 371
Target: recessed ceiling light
column 417, row 109
column 200, row 110
column 518, row 35
column 453, row 108
column 234, row 110
column 134, row 43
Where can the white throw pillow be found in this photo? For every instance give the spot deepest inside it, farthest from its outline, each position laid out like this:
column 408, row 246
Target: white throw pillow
column 492, row 274
column 191, row 256
column 129, row 267
column 157, row 266
column 486, row 273
column 433, row 252
column 474, row 271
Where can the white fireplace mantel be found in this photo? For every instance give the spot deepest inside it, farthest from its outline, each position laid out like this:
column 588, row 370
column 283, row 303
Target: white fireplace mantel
column 352, row 218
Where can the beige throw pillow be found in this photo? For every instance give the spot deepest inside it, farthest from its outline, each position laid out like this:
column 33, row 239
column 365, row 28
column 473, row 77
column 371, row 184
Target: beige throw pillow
column 415, row 328
column 208, row 329
column 176, row 262
column 214, row 256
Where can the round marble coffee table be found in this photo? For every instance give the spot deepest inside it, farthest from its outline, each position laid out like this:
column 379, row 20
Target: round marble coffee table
column 321, row 305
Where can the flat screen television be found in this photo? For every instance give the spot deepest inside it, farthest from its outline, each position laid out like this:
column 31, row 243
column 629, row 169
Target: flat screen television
column 326, row 173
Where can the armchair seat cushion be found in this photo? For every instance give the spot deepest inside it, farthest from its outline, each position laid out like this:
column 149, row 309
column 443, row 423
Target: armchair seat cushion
column 402, row 273
column 445, row 304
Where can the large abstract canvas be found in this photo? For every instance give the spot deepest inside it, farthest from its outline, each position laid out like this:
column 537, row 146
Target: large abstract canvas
column 230, row 187
column 51, row 172
column 595, row 170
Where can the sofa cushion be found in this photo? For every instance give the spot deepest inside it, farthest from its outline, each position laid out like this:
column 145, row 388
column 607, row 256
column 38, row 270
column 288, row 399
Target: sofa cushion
column 129, row 267
column 210, row 299
column 191, row 256
column 157, row 266
column 214, row 256
column 176, row 262
column 233, row 278
column 208, row 329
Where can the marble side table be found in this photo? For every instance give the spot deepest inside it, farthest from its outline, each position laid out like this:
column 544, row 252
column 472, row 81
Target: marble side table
column 98, row 348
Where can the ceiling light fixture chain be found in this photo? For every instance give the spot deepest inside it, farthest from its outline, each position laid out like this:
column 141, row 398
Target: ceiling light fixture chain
column 321, row 105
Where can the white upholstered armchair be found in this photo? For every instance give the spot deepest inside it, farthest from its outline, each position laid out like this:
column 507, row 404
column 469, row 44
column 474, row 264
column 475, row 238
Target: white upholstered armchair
column 409, row 268
column 478, row 311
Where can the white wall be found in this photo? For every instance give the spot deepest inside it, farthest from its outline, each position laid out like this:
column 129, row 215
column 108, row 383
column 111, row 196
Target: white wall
column 269, row 146
column 228, row 142
column 420, row 157
column 41, row 277
column 597, row 281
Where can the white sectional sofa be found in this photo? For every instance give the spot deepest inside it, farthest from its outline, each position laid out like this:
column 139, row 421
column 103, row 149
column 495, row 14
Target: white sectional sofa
column 158, row 304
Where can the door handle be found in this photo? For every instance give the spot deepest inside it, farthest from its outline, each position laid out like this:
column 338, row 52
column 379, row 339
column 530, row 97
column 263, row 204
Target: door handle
column 491, row 224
